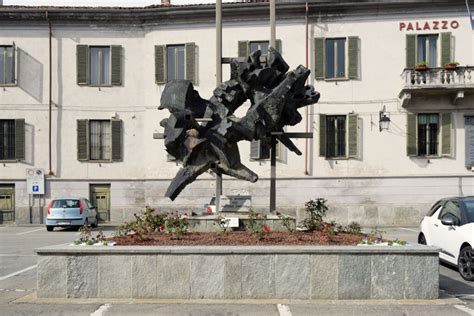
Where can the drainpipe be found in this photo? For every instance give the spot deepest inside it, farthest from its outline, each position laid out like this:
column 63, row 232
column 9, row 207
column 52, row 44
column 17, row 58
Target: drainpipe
column 50, row 95
column 273, row 23
column 306, row 111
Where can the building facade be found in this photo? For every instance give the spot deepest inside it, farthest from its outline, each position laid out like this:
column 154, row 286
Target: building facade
column 372, row 61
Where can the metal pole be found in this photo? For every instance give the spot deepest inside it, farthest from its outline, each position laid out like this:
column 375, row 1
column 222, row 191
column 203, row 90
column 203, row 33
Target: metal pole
column 273, row 23
column 218, row 81
column 50, row 172
column 273, row 175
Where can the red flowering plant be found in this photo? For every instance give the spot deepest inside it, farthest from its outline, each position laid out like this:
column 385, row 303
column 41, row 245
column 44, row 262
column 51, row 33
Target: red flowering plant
column 257, row 224
column 144, row 222
column 176, row 225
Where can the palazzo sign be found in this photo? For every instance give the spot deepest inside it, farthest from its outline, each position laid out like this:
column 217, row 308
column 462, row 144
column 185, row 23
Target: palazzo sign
column 429, row 25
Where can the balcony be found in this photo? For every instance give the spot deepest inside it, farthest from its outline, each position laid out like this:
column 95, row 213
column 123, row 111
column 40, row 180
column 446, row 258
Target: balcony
column 437, row 82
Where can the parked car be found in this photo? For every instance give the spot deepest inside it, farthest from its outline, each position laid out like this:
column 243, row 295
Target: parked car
column 68, row 211
column 449, row 225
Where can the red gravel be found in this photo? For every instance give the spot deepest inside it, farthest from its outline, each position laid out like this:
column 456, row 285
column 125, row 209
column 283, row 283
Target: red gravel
column 239, row 238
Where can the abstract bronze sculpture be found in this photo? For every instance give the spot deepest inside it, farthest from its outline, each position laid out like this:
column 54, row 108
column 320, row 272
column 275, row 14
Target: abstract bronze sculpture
column 204, row 134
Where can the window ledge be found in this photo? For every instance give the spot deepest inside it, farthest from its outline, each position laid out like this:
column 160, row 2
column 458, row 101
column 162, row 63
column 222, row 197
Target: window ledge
column 337, row 79
column 9, row 161
column 337, row 158
column 12, row 85
column 99, row 161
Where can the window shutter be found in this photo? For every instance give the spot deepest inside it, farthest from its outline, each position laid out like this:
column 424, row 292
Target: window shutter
column 278, row 46
column 410, row 50
column 190, row 49
column 20, row 139
column 255, row 149
column 469, row 130
column 82, row 64
column 322, row 135
column 116, row 64
column 244, row 47
column 116, row 132
column 446, row 128
column 14, row 63
column 353, row 135
column 82, row 140
column 445, row 48
column 353, row 57
column 160, row 62
column 319, row 57
column 411, row 134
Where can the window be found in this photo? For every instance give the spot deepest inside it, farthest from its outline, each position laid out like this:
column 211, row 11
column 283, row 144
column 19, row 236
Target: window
column 12, row 140
column 435, row 49
column 99, row 140
column 426, row 49
column 339, row 136
column 336, row 58
column 175, row 62
column 429, row 134
column 262, row 46
column 7, row 65
column 99, row 65
column 452, row 208
column 245, row 48
column 260, row 149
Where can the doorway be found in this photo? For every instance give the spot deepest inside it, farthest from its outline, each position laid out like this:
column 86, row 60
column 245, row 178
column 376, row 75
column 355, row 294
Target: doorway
column 100, row 198
column 7, row 203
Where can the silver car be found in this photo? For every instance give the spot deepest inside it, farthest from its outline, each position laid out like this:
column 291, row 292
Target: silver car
column 64, row 212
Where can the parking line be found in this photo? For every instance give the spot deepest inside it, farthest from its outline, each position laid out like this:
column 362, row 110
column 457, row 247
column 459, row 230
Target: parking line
column 17, row 272
column 284, row 310
column 102, row 309
column 30, row 231
column 465, row 309
column 409, row 229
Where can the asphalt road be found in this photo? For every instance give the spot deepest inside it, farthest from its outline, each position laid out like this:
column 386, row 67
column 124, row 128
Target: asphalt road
column 18, row 286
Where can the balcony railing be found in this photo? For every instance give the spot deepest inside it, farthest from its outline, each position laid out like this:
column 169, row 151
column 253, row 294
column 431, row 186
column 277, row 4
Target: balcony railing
column 437, row 80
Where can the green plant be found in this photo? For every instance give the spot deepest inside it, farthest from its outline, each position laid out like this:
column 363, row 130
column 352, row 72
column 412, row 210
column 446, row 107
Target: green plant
column 288, row 222
column 422, row 63
column 176, row 225
column 316, row 210
column 353, row 228
column 257, row 224
column 85, row 233
column 375, row 237
column 397, row 242
column 145, row 222
column 223, row 223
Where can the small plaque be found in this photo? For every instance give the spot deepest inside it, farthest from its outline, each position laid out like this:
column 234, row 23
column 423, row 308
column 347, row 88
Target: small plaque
column 233, row 221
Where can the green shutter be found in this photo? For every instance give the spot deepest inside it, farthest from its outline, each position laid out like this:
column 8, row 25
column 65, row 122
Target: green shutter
column 20, row 139
column 353, row 57
column 255, row 149
column 160, row 62
column 83, row 140
column 190, row 49
column 82, row 64
column 14, row 63
column 410, row 50
column 244, row 47
column 446, row 128
column 319, row 57
column 445, row 48
column 469, row 130
column 411, row 134
column 353, row 135
column 116, row 65
column 322, row 135
column 278, row 46
column 116, row 132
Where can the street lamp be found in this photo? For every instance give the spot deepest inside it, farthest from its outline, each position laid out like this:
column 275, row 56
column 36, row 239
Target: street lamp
column 384, row 120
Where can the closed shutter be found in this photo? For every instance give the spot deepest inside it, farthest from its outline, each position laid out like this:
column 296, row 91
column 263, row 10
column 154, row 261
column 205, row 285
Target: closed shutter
column 446, row 128
column 116, row 65
column 190, row 49
column 160, row 62
column 278, row 46
column 411, row 134
column 244, row 49
column 410, row 50
column 445, row 48
column 14, row 63
column 469, row 130
column 353, row 135
column 82, row 140
column 116, row 127
column 319, row 58
column 20, row 139
column 82, row 64
column 322, row 135
column 353, row 57
column 255, row 149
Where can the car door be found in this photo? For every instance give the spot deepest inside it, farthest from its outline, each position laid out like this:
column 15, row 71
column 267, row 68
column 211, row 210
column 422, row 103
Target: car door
column 431, row 224
column 92, row 212
column 448, row 235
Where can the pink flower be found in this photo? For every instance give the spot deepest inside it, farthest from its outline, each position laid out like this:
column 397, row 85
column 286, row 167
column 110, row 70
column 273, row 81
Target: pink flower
column 278, row 213
column 266, row 228
column 162, row 228
column 153, row 209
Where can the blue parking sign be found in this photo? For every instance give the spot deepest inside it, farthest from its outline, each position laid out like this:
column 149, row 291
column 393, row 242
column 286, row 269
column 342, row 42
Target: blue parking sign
column 35, row 188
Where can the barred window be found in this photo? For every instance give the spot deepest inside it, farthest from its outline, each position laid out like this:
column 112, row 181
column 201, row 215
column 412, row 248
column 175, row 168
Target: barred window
column 336, row 136
column 7, row 139
column 100, row 140
column 428, row 128
column 7, row 65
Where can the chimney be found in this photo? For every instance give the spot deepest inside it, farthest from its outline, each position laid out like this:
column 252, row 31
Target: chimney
column 163, row 2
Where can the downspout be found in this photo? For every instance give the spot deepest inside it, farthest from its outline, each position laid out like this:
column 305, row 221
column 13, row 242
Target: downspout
column 306, row 111
column 50, row 95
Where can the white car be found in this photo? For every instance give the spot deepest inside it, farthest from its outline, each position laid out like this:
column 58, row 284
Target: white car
column 449, row 225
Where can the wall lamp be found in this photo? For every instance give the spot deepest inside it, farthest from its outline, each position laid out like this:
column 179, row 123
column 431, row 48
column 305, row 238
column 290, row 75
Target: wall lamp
column 384, row 119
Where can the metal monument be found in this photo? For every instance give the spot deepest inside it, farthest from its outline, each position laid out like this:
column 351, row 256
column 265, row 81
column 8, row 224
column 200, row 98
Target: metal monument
column 203, row 134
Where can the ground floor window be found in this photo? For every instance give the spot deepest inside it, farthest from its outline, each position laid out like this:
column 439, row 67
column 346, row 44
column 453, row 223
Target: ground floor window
column 428, row 130
column 336, row 136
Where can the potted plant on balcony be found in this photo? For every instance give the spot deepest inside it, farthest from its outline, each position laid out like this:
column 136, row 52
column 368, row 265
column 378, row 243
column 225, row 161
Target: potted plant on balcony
column 422, row 65
column 451, row 65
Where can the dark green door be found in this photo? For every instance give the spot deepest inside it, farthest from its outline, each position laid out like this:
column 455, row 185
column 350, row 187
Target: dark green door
column 7, row 204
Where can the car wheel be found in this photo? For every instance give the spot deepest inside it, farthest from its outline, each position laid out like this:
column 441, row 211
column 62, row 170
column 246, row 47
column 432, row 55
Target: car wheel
column 49, row 228
column 422, row 239
column 96, row 223
column 466, row 263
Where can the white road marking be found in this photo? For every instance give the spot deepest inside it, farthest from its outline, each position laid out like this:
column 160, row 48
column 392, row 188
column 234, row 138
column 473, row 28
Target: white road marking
column 17, row 272
column 284, row 310
column 8, row 255
column 409, row 229
column 465, row 309
column 102, row 309
column 30, row 231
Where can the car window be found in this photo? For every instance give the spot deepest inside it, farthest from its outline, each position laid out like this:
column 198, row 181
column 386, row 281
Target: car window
column 213, row 201
column 453, row 208
column 434, row 208
column 469, row 211
column 65, row 204
column 89, row 205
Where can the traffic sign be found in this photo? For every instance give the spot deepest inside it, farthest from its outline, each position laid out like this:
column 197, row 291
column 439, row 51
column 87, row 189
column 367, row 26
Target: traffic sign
column 35, row 180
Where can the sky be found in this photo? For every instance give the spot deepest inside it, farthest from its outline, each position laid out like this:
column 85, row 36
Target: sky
column 102, row 3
